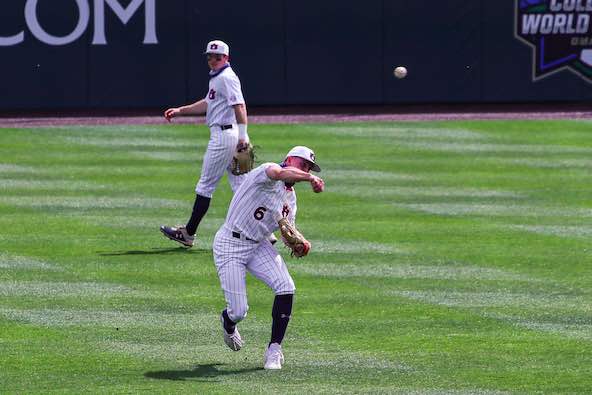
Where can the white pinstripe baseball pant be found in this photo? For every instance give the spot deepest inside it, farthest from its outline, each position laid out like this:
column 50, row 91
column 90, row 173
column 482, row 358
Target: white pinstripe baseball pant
column 218, row 157
column 234, row 257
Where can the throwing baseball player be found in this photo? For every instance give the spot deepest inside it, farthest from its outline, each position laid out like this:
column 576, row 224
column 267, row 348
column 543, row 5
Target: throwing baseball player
column 265, row 202
column 226, row 116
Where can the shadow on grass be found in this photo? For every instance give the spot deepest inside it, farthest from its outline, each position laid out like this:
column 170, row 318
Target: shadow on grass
column 200, row 371
column 155, row 251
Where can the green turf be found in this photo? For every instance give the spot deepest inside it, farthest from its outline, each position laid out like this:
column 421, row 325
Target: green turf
column 449, row 257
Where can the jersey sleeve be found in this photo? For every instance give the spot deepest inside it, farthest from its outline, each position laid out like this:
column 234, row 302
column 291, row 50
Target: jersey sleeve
column 234, row 94
column 263, row 178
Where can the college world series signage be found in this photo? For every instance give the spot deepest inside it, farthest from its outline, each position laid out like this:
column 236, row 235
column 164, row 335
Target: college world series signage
column 559, row 33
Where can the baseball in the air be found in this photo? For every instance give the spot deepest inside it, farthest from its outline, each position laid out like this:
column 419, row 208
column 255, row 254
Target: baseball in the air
column 400, row 72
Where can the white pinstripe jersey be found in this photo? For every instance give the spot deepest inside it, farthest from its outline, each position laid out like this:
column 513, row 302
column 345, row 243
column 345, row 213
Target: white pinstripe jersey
column 224, row 92
column 258, row 205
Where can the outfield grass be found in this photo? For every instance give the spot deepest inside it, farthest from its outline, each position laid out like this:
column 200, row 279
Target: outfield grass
column 449, row 257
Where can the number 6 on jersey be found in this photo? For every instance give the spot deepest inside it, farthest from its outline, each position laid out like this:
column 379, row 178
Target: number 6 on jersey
column 259, row 213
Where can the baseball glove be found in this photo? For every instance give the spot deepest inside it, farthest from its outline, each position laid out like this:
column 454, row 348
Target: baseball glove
column 244, row 159
column 293, row 239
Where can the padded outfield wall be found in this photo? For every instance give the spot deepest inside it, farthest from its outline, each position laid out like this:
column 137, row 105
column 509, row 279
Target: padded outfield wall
column 61, row 54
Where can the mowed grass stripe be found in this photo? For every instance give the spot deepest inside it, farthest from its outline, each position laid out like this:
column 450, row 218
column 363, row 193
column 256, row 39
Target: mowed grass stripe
column 568, row 231
column 398, row 132
column 353, row 175
column 495, row 148
column 495, row 210
column 409, row 271
column 545, row 310
column 569, row 328
column 9, row 261
column 169, row 156
column 541, row 300
column 89, row 202
column 122, row 142
column 116, row 319
column 133, row 169
column 64, row 289
column 9, row 168
column 24, row 184
column 407, row 191
column 547, row 163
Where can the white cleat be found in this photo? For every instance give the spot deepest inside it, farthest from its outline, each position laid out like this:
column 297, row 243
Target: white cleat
column 274, row 358
column 233, row 340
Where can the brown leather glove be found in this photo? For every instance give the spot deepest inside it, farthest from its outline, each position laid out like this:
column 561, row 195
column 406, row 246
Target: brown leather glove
column 244, row 159
column 293, row 239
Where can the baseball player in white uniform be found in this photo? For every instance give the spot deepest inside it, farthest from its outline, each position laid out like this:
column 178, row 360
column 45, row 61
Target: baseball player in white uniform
column 241, row 244
column 226, row 116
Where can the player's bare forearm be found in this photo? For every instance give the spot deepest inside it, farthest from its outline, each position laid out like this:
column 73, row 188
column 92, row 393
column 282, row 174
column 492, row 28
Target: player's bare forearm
column 240, row 111
column 292, row 175
column 199, row 107
column 288, row 174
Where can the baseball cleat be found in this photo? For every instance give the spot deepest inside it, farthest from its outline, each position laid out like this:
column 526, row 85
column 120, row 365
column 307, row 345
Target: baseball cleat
column 233, row 340
column 178, row 234
column 274, row 358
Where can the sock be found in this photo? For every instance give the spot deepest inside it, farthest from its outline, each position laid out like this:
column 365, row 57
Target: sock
column 200, row 208
column 282, row 309
column 228, row 323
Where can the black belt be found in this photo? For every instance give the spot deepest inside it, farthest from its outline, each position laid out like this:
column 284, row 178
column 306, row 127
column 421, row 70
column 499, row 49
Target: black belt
column 224, row 127
column 237, row 235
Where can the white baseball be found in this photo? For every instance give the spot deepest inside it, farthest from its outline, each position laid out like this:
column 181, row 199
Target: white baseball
column 400, row 72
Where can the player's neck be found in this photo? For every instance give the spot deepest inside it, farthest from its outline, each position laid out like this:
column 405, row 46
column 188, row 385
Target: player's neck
column 219, row 69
